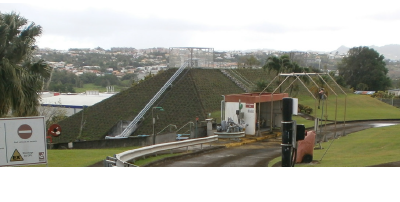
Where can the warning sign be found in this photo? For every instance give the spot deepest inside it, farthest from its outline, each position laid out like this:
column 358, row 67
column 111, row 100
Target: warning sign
column 16, row 156
column 22, row 141
column 249, row 105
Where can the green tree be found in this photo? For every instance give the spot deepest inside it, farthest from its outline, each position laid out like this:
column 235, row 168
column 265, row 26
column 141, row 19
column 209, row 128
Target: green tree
column 106, row 80
column 260, row 85
column 63, row 77
column 362, row 86
column 130, row 76
column 62, row 88
column 248, row 61
column 21, row 78
column 283, row 64
column 252, row 61
column 277, row 64
column 366, row 66
column 88, row 78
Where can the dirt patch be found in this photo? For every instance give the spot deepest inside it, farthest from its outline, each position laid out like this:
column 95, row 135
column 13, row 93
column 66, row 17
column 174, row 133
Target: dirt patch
column 391, row 164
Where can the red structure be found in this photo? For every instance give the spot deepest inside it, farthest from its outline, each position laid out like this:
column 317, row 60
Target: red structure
column 255, row 97
column 305, row 148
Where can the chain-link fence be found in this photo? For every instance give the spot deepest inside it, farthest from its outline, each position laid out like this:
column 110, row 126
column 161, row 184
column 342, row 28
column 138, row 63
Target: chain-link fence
column 391, row 101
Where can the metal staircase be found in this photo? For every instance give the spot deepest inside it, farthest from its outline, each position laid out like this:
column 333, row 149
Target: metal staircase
column 236, row 81
column 133, row 125
column 244, row 80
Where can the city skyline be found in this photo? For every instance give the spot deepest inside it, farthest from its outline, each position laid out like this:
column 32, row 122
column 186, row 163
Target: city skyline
column 223, row 25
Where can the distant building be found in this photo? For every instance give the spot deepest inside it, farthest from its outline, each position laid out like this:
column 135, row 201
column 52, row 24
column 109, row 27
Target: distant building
column 396, row 92
column 364, row 92
column 73, row 103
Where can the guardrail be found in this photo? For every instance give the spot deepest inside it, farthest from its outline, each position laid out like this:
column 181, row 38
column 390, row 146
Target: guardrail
column 121, row 159
column 233, row 135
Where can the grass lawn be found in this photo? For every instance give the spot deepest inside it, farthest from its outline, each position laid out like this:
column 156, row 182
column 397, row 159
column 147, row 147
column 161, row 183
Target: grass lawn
column 91, row 86
column 80, row 157
column 358, row 107
column 300, row 120
column 364, row 148
column 216, row 116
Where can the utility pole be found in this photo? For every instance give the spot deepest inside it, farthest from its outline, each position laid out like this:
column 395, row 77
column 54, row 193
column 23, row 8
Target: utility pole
column 154, row 121
column 197, row 121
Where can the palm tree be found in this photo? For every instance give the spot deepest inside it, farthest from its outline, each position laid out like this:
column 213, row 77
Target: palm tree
column 260, row 85
column 21, row 78
column 283, row 64
column 279, row 65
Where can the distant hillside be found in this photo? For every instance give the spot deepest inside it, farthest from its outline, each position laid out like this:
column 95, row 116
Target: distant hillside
column 391, row 51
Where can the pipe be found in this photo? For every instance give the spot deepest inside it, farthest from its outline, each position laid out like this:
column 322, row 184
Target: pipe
column 223, row 109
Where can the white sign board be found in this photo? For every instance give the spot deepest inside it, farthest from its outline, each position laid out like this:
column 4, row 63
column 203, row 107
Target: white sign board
column 295, row 106
column 22, row 141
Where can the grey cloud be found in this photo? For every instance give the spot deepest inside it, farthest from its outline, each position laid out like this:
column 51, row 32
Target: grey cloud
column 106, row 22
column 284, row 28
column 387, row 16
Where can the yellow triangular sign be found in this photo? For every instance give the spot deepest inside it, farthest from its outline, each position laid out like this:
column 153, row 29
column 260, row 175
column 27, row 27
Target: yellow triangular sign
column 16, row 156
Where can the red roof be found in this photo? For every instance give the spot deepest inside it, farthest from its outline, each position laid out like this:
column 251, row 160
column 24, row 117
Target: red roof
column 255, row 97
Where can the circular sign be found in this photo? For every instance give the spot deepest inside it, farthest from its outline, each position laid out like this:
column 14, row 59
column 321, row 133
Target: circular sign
column 54, row 130
column 25, row 131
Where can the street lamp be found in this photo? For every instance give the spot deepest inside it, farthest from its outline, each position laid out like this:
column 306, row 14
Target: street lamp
column 154, row 121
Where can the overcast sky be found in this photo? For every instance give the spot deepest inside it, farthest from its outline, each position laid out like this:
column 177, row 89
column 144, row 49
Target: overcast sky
column 222, row 25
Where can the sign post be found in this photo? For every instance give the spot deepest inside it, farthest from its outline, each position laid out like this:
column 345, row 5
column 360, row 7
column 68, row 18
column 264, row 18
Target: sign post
column 22, row 141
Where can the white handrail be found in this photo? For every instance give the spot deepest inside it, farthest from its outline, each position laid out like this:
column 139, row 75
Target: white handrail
column 242, row 78
column 124, row 157
column 133, row 125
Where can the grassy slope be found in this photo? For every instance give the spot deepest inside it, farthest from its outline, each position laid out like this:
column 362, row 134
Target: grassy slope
column 211, row 84
column 364, row 148
column 358, row 107
column 181, row 104
column 102, row 116
column 195, row 94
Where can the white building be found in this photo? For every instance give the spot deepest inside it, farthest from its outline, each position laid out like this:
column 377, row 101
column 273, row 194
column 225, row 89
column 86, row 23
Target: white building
column 255, row 107
column 72, row 103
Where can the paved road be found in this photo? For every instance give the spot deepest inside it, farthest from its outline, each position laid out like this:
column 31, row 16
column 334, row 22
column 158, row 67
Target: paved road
column 259, row 154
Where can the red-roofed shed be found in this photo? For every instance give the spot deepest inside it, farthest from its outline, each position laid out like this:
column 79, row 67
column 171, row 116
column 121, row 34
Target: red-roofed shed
column 255, row 106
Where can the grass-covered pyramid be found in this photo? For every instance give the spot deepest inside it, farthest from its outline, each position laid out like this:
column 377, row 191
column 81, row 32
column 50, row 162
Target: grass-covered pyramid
column 196, row 92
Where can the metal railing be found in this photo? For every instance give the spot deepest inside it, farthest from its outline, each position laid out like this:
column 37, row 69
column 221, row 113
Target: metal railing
column 236, row 81
column 122, row 159
column 190, row 125
column 133, row 125
column 245, row 81
column 170, row 125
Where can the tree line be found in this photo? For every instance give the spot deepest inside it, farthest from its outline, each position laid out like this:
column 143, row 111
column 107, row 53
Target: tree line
column 64, row 81
column 362, row 69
